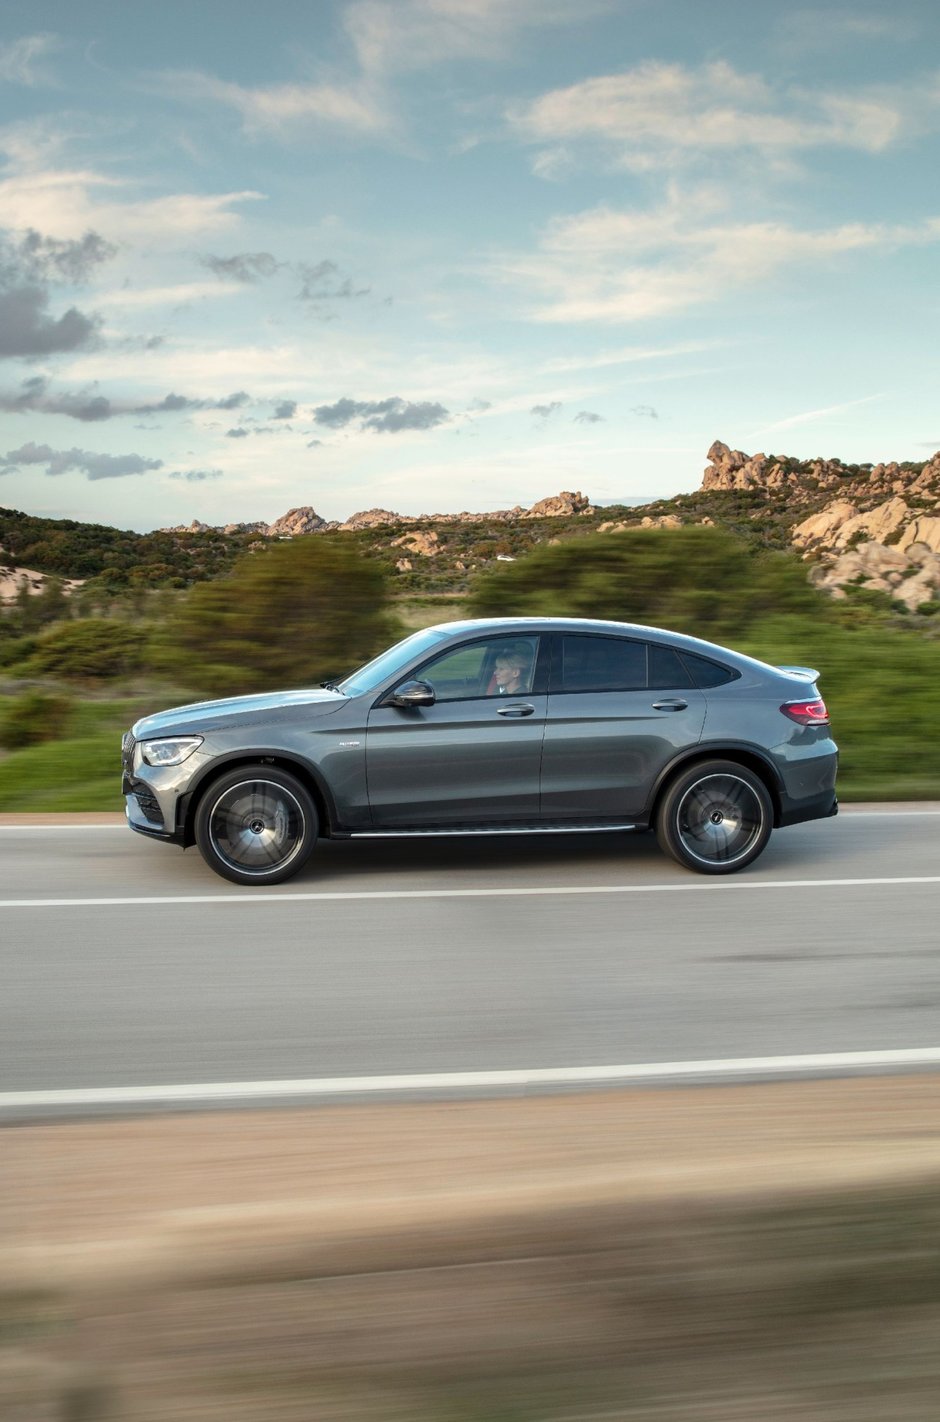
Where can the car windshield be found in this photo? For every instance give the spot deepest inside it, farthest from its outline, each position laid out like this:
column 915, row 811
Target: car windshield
column 370, row 676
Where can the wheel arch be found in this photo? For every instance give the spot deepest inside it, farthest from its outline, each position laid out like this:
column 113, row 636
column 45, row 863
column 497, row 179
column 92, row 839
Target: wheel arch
column 277, row 760
column 746, row 755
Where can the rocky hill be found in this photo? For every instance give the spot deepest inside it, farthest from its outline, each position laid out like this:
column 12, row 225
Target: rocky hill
column 299, row 521
column 875, row 526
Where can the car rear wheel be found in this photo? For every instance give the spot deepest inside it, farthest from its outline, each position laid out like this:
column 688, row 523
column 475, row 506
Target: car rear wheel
column 715, row 817
column 256, row 825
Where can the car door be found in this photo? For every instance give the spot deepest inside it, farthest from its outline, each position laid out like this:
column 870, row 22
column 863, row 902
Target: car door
column 471, row 758
column 619, row 709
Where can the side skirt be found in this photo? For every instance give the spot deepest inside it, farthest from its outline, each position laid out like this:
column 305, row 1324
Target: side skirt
column 488, row 830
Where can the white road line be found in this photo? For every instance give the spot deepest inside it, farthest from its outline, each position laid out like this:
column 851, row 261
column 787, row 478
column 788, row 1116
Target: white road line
column 249, row 896
column 806, row 1064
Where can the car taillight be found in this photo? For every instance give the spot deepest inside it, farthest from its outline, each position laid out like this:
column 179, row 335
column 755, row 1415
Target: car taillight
column 807, row 713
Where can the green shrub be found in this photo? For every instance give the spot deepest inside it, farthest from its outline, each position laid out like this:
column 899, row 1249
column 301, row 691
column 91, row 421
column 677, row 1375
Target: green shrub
column 34, row 717
column 88, row 649
column 290, row 614
column 699, row 580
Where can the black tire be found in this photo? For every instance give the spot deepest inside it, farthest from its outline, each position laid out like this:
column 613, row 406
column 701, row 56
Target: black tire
column 715, row 817
column 256, row 825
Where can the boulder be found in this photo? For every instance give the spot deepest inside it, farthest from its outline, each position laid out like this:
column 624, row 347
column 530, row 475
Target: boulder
column 822, row 527
column 424, row 544
column 923, row 532
column 562, row 505
column 878, row 523
column 297, row 522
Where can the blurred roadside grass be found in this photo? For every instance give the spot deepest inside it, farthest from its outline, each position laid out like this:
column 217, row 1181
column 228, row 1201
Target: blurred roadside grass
column 881, row 686
column 79, row 771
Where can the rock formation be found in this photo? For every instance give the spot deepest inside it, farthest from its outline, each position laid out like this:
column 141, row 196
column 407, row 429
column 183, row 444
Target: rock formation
column 294, row 524
column 562, row 505
column 881, row 532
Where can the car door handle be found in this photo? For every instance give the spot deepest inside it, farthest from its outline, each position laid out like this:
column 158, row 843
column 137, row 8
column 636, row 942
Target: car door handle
column 670, row 705
column 517, row 709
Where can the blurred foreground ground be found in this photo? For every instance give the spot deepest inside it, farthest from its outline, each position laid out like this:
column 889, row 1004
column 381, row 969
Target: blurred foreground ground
column 748, row 1252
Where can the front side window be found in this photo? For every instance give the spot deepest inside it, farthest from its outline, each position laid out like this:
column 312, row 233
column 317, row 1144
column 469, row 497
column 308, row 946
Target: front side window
column 368, row 677
column 502, row 666
column 601, row 664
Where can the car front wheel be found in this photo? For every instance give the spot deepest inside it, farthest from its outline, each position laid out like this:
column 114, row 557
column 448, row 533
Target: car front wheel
column 256, row 825
column 715, row 817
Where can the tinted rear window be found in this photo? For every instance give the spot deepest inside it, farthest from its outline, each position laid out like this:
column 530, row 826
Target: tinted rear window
column 706, row 672
column 602, row 664
column 667, row 671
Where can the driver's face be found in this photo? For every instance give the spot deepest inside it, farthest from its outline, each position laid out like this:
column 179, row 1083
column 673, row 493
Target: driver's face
column 507, row 674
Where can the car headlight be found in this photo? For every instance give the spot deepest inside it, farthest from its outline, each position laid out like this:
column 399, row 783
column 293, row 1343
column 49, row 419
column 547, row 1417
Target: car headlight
column 171, row 751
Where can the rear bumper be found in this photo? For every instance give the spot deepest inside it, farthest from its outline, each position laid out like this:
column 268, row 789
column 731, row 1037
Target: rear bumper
column 797, row 812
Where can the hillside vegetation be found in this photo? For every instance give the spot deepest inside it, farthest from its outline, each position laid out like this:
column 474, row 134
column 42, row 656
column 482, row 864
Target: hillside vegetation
column 747, row 560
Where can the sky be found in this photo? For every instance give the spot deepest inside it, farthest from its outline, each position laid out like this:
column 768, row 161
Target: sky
column 445, row 255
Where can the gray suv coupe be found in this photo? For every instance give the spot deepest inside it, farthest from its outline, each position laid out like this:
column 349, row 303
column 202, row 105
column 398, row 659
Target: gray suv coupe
column 482, row 727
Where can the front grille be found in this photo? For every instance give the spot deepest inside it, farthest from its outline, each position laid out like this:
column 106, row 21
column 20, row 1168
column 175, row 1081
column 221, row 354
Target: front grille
column 127, row 753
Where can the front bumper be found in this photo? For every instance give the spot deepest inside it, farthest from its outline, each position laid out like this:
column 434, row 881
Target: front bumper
column 156, row 797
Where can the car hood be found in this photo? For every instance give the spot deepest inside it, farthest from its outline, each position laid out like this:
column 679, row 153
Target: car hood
column 203, row 716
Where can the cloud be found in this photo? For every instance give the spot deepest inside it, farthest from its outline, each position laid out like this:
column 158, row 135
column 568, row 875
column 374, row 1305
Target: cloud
column 18, row 60
column 280, row 108
column 236, row 434
column 387, row 37
column 809, row 417
column 233, row 402
column 28, row 268
column 662, row 114
column 26, row 329
column 587, row 417
column 382, row 416
column 57, row 259
column 320, row 283
column 61, row 461
column 614, row 266
column 89, row 406
column 286, row 410
column 644, row 412
column 418, row 34
column 67, row 202
column 246, row 267
column 544, row 411
column 196, row 476
column 33, row 395
column 177, row 295
column 171, row 403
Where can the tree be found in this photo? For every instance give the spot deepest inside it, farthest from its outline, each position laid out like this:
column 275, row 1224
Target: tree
column 698, row 580
column 291, row 614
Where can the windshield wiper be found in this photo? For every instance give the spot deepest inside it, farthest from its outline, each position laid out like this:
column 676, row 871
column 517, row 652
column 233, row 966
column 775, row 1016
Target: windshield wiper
column 331, row 686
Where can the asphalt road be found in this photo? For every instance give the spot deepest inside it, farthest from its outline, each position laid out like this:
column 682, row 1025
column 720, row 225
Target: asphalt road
column 128, row 966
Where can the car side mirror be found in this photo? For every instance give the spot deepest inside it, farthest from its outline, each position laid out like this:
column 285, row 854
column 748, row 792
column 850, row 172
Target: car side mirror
column 412, row 693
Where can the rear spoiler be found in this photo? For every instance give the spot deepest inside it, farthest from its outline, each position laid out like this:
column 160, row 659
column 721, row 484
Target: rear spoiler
column 804, row 673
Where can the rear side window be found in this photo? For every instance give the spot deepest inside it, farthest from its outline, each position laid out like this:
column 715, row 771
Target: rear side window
column 602, row 664
column 707, row 673
column 667, row 671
